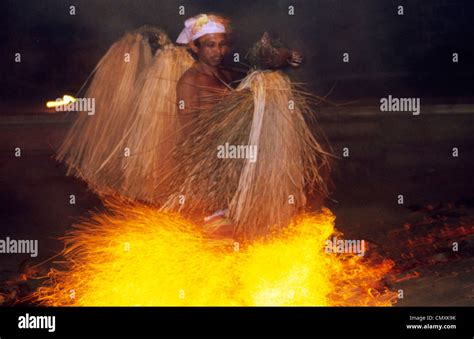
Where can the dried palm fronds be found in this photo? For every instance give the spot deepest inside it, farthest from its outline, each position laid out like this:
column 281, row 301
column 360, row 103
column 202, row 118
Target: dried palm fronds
column 154, row 130
column 267, row 112
column 92, row 148
column 272, row 190
column 206, row 182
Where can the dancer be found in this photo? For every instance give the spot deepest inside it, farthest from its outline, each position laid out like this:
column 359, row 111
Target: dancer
column 185, row 111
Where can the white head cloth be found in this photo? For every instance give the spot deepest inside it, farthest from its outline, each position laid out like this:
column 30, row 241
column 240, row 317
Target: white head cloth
column 197, row 26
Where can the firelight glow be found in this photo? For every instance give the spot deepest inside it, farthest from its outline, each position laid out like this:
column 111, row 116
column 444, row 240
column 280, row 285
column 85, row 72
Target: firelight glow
column 138, row 256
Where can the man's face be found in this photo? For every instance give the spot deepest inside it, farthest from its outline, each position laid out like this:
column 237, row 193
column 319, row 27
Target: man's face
column 212, row 48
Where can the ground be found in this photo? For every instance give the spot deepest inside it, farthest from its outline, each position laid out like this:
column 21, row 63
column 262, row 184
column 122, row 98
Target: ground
column 418, row 235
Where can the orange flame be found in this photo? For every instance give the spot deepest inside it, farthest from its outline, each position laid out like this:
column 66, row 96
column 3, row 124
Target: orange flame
column 140, row 256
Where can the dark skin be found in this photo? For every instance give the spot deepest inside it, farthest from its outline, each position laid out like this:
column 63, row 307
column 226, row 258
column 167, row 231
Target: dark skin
column 204, row 79
column 208, row 79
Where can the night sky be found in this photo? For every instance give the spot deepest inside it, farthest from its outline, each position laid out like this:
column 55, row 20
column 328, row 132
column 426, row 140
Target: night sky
column 407, row 55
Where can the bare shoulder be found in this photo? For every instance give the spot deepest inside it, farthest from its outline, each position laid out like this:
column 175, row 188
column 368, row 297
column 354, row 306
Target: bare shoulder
column 193, row 78
column 188, row 78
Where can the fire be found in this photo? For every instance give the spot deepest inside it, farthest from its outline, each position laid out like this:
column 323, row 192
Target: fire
column 138, row 256
column 67, row 99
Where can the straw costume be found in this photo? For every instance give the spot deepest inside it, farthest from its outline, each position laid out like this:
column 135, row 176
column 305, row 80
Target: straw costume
column 134, row 147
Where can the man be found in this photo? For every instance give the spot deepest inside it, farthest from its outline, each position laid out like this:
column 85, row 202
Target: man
column 207, row 36
column 207, row 81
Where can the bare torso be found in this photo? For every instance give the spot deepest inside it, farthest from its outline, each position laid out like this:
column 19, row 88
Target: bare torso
column 198, row 90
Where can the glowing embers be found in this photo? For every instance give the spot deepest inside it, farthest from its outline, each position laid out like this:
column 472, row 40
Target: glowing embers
column 139, row 256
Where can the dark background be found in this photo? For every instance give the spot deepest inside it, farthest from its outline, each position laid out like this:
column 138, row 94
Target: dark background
column 407, row 55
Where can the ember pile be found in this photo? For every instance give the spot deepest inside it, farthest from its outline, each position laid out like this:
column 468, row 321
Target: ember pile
column 136, row 255
column 434, row 234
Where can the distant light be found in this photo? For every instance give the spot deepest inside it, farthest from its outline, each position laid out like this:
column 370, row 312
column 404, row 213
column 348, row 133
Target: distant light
column 67, row 99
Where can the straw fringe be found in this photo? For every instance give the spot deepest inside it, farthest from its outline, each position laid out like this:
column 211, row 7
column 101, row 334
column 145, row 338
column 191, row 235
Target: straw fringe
column 264, row 195
column 155, row 127
column 272, row 190
column 87, row 147
column 124, row 148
